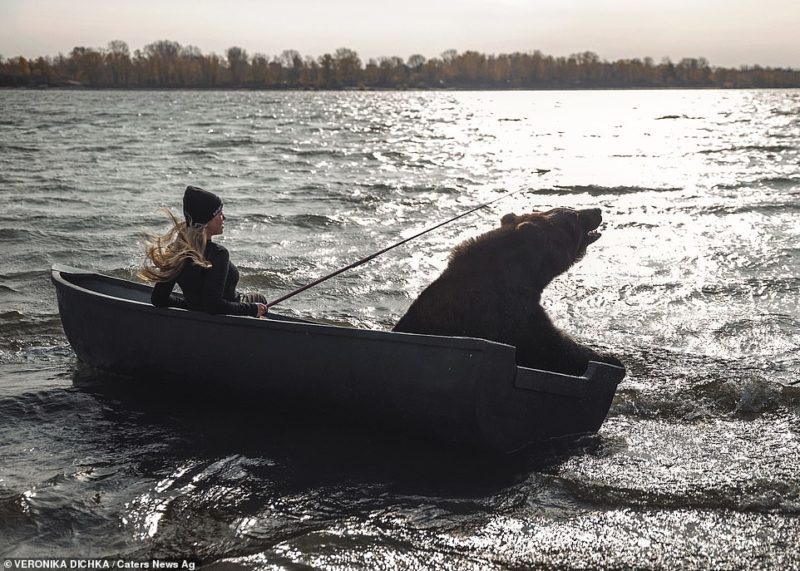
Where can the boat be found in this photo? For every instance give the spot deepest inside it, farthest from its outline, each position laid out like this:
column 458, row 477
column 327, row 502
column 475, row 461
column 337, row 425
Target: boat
column 458, row 390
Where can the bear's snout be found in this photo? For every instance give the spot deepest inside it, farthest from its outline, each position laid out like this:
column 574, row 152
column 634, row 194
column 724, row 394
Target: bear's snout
column 590, row 220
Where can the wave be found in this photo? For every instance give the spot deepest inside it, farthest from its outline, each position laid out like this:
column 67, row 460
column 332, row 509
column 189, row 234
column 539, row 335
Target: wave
column 753, row 287
column 747, row 394
column 307, row 152
column 15, row 513
column 31, row 406
column 343, row 152
column 64, row 238
column 596, row 190
column 756, row 148
column 779, row 207
column 53, row 193
column 785, row 112
column 261, row 280
column 232, row 142
column 671, row 385
column 38, row 351
column 97, row 148
column 52, row 124
column 308, row 221
column 383, row 188
column 204, row 153
column 771, row 182
column 668, row 117
column 25, row 275
column 23, row 333
column 21, row 235
column 761, row 497
column 19, row 148
column 15, row 322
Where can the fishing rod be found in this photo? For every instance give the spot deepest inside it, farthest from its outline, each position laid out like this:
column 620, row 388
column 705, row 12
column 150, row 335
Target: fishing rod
column 400, row 243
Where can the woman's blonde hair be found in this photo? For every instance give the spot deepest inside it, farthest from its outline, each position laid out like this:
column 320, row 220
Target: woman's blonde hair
column 165, row 254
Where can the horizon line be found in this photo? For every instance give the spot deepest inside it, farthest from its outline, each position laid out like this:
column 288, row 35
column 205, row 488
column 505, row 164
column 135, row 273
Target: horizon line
column 666, row 59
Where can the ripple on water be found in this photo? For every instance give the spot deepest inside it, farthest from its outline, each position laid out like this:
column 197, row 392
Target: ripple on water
column 712, row 464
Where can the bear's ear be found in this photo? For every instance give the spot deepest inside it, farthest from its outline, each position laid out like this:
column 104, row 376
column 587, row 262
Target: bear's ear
column 510, row 218
column 530, row 229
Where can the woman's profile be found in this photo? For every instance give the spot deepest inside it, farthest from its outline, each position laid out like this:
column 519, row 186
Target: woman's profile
column 186, row 255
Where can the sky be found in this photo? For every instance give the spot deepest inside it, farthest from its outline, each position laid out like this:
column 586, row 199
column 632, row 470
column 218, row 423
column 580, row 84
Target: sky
column 728, row 33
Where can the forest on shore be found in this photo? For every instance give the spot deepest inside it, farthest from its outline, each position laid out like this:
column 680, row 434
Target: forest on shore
column 167, row 64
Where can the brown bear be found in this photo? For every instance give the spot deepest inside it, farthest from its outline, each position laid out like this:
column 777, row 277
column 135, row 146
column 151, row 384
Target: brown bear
column 493, row 285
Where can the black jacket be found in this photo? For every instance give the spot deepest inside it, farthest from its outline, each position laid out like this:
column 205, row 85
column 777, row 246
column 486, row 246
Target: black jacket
column 212, row 290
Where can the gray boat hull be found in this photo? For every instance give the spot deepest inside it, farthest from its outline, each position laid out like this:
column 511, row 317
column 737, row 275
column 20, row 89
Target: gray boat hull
column 462, row 390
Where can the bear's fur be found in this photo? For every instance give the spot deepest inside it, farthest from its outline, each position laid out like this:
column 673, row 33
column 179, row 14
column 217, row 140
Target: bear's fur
column 493, row 284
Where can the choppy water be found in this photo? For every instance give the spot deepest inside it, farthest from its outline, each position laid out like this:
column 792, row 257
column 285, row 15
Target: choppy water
column 694, row 284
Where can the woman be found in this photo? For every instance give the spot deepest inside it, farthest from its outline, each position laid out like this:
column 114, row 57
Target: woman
column 186, row 255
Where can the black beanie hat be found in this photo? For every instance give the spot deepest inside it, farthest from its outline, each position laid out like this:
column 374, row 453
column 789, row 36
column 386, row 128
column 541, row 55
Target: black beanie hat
column 200, row 206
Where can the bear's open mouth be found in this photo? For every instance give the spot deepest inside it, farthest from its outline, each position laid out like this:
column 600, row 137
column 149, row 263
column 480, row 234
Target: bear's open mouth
column 591, row 237
column 590, row 220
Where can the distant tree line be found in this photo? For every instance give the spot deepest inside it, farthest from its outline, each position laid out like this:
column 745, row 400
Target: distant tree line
column 167, row 64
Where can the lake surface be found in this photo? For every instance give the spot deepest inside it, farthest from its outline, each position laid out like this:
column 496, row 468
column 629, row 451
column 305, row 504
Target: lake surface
column 694, row 284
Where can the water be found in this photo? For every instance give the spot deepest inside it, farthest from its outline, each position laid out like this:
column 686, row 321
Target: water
column 694, row 285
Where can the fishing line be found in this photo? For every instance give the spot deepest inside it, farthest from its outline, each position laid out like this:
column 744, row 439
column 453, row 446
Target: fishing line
column 395, row 245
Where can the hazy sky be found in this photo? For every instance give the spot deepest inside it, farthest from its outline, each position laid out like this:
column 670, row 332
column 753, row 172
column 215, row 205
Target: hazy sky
column 726, row 32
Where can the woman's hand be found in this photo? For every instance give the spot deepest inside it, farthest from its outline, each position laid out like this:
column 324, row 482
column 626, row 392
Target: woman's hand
column 262, row 309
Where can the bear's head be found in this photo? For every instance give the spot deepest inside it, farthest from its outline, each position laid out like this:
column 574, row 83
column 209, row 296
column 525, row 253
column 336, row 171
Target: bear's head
column 555, row 239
